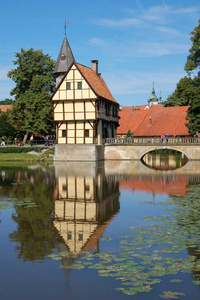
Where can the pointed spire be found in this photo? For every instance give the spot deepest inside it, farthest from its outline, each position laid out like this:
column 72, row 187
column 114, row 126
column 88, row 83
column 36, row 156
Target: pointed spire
column 153, row 90
column 65, row 58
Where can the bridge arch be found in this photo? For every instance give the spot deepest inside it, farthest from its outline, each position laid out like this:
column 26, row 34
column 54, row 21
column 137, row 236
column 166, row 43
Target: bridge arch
column 154, row 148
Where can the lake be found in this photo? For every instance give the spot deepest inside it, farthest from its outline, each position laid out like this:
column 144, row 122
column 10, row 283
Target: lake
column 100, row 231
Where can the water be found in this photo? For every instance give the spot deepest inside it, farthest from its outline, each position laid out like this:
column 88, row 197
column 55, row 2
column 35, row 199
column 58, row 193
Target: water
column 91, row 231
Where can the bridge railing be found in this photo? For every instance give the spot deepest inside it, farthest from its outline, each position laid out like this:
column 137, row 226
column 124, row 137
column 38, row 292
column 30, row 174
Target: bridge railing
column 156, row 140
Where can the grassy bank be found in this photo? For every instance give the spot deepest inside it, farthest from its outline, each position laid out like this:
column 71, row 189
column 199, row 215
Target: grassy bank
column 26, row 154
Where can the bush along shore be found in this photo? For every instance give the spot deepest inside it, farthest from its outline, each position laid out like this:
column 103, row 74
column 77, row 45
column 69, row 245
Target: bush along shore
column 26, row 153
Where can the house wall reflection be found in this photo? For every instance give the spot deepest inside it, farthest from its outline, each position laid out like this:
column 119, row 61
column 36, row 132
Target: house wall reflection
column 84, row 207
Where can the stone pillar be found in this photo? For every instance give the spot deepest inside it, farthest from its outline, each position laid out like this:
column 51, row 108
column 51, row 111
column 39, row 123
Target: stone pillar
column 99, row 132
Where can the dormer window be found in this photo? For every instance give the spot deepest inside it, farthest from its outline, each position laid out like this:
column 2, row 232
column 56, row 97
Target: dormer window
column 62, row 57
column 79, row 85
column 68, row 85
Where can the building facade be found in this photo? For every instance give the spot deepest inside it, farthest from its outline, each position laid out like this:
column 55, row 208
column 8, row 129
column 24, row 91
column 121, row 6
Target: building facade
column 84, row 110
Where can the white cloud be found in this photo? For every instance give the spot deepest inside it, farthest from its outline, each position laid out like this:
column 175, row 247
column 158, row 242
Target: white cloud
column 134, row 88
column 141, row 82
column 160, row 14
column 159, row 49
column 168, row 30
column 96, row 41
column 126, row 49
column 118, row 22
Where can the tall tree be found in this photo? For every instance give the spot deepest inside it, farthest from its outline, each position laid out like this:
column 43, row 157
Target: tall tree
column 187, row 91
column 7, row 129
column 193, row 59
column 33, row 75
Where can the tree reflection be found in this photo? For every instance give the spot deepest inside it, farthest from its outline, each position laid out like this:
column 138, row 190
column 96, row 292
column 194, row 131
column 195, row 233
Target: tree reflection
column 186, row 214
column 35, row 234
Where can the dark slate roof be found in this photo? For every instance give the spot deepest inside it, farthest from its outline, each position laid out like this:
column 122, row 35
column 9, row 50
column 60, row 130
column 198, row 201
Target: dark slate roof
column 65, row 58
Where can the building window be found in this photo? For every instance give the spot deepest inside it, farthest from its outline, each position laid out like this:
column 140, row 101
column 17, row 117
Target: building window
column 64, row 188
column 80, row 237
column 68, row 85
column 107, row 109
column 63, row 133
column 87, row 188
column 69, row 235
column 79, row 85
column 87, row 133
column 62, row 57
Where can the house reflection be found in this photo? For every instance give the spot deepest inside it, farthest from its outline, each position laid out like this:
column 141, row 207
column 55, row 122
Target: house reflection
column 136, row 176
column 85, row 204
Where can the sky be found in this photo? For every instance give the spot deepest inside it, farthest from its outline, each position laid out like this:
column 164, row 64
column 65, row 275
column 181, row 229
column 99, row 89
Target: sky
column 137, row 42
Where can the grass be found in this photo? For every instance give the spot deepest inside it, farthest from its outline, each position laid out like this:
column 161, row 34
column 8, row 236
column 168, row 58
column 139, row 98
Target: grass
column 47, row 156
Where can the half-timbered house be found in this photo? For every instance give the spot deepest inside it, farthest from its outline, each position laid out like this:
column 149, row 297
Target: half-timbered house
column 84, row 109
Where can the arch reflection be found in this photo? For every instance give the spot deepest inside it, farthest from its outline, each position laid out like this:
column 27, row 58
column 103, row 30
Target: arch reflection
column 162, row 161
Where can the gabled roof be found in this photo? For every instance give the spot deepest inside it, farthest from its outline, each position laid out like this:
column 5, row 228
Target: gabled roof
column 154, row 121
column 96, row 82
column 65, row 58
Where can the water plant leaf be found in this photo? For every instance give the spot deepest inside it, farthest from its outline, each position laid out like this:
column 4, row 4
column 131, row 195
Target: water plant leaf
column 170, row 295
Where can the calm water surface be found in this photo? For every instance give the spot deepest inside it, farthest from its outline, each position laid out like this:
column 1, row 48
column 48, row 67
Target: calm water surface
column 99, row 231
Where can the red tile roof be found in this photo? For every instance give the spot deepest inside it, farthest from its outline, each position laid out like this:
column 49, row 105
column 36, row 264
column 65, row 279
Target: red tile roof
column 96, row 82
column 176, row 186
column 154, row 121
column 5, row 107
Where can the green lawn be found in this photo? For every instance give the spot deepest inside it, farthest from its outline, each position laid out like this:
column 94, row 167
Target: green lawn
column 25, row 157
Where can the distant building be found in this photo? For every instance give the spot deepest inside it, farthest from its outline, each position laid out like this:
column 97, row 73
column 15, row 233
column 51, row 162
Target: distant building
column 5, row 107
column 85, row 111
column 153, row 99
column 145, row 121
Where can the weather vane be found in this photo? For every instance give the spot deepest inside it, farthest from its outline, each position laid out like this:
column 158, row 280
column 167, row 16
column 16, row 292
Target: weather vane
column 66, row 21
column 153, row 84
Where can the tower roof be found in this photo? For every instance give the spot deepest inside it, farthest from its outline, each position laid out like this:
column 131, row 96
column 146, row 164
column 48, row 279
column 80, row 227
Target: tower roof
column 65, row 58
column 153, row 96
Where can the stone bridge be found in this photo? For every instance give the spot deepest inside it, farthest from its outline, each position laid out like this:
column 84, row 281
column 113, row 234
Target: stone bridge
column 137, row 151
column 126, row 149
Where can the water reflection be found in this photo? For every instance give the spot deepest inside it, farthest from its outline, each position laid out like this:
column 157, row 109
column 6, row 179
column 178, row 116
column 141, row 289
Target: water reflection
column 30, row 190
column 86, row 201
column 135, row 176
column 165, row 161
column 70, row 206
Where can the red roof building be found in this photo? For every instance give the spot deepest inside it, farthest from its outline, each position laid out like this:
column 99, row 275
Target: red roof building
column 5, row 107
column 145, row 121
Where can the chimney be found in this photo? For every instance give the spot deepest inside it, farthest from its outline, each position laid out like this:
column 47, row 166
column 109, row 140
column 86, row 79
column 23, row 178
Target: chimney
column 150, row 121
column 94, row 66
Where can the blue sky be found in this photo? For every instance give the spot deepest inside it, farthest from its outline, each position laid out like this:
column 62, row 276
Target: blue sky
column 137, row 42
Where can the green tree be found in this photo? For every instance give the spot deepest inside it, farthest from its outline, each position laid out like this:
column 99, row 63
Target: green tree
column 193, row 59
column 7, row 102
column 187, row 91
column 6, row 127
column 129, row 134
column 183, row 94
column 33, row 75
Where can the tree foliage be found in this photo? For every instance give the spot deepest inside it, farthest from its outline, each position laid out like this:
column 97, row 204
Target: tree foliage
column 33, row 75
column 129, row 134
column 193, row 59
column 187, row 92
column 7, row 102
column 6, row 127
